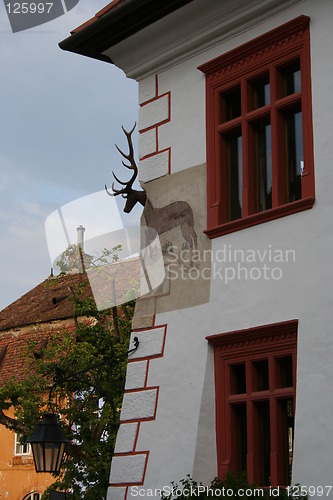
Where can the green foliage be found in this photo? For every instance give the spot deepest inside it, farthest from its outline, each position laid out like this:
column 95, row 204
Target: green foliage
column 90, row 360
column 233, row 485
column 73, row 257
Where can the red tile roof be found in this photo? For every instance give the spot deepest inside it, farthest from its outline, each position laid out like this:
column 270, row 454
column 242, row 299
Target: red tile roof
column 113, row 283
column 53, row 298
column 48, row 301
column 49, row 308
column 15, row 363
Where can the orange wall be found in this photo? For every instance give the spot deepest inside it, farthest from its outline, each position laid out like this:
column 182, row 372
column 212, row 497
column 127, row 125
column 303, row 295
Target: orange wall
column 17, row 473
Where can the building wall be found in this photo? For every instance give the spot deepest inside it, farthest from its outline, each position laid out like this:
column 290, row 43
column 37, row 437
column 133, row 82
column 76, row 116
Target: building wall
column 18, row 477
column 180, row 437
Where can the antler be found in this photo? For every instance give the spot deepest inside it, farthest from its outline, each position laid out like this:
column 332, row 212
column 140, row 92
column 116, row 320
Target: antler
column 132, row 166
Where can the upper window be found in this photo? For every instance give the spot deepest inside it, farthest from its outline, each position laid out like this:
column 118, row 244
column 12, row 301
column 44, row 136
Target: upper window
column 259, row 130
column 33, row 496
column 21, row 449
column 255, row 381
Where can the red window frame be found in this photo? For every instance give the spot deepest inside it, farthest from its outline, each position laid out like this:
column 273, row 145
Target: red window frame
column 273, row 343
column 266, row 53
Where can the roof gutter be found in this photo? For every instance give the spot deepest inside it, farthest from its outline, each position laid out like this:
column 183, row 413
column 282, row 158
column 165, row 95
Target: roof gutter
column 116, row 25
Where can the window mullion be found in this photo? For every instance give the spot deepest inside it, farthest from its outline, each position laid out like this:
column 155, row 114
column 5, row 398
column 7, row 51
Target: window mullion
column 274, row 441
column 246, row 193
column 273, row 420
column 250, row 422
column 276, row 179
column 307, row 175
column 213, row 156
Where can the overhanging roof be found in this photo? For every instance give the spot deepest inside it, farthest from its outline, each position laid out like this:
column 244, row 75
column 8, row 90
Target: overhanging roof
column 116, row 22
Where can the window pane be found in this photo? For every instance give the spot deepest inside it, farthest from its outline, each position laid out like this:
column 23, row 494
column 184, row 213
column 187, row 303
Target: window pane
column 237, row 379
column 263, row 440
column 235, row 176
column 230, row 104
column 294, row 155
column 286, row 439
column 239, row 438
column 263, row 165
column 291, row 79
column 261, row 92
column 284, row 372
column 21, row 449
column 18, row 448
column 260, row 375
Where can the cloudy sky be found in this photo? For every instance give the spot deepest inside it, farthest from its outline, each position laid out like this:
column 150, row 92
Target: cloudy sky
column 60, row 116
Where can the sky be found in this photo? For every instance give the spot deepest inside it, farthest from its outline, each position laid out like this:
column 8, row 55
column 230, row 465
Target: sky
column 60, row 117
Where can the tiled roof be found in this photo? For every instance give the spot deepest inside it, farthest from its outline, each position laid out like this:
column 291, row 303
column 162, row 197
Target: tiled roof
column 14, row 363
column 48, row 301
column 114, row 283
column 49, row 308
column 52, row 299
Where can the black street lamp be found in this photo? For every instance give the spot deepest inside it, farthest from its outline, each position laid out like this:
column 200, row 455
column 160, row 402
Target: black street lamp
column 48, row 444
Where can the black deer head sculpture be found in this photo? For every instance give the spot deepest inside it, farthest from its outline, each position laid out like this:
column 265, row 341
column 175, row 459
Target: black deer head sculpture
column 131, row 195
column 178, row 213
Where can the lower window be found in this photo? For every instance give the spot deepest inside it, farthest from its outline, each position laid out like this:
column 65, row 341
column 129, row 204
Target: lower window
column 255, row 380
column 33, row 496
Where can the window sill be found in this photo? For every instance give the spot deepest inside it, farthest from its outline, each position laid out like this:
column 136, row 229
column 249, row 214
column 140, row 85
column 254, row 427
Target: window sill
column 22, row 460
column 253, row 220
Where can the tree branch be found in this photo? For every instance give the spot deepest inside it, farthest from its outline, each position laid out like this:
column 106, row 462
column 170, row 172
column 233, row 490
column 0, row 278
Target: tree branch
column 12, row 424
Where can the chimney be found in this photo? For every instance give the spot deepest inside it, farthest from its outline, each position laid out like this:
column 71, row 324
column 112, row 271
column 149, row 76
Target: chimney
column 80, row 236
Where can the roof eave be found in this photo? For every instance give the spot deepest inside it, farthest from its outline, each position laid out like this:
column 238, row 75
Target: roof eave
column 105, row 31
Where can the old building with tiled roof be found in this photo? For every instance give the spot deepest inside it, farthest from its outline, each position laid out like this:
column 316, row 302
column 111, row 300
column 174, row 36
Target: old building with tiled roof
column 44, row 310
column 47, row 309
column 49, row 305
column 48, row 301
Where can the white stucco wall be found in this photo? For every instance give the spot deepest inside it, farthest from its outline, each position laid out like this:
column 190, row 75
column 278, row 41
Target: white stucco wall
column 181, row 440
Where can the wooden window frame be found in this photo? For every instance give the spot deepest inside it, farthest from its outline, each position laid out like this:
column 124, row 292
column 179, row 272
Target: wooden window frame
column 19, row 445
column 266, row 53
column 246, row 347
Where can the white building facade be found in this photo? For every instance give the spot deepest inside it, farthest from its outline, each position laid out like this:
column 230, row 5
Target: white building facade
column 233, row 370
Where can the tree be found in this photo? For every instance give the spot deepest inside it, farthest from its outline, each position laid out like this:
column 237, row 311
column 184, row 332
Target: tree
column 91, row 363
column 75, row 258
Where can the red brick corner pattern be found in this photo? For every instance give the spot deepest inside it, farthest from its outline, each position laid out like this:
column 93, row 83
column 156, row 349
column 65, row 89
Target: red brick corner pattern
column 140, row 401
column 154, row 113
